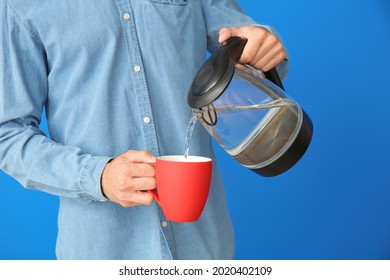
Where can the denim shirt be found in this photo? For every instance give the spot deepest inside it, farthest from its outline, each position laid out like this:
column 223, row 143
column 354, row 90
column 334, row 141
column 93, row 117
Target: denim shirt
column 112, row 76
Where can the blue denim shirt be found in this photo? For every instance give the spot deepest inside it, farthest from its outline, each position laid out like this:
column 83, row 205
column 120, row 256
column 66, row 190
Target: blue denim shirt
column 112, row 76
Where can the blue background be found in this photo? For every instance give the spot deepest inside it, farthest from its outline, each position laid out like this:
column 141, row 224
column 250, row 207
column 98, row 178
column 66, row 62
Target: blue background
column 335, row 203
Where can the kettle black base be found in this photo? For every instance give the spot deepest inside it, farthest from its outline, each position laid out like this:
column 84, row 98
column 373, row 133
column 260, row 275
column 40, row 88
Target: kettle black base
column 293, row 154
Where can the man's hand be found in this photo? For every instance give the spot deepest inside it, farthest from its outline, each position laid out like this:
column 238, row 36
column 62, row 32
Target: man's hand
column 127, row 178
column 263, row 49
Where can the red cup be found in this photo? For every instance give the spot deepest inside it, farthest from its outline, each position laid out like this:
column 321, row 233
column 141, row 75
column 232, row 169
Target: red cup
column 182, row 186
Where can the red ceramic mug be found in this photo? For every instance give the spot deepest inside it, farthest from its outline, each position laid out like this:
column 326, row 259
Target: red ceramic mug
column 182, row 186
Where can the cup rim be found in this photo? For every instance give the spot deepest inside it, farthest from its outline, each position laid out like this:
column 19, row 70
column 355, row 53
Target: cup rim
column 181, row 158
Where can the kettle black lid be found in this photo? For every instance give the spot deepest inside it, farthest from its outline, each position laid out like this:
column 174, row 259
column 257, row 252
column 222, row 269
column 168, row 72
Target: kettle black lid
column 216, row 73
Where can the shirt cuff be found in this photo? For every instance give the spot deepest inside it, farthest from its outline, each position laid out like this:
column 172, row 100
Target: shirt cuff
column 90, row 179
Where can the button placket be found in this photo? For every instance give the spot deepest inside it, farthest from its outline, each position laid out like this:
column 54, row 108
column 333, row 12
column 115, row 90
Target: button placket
column 143, row 100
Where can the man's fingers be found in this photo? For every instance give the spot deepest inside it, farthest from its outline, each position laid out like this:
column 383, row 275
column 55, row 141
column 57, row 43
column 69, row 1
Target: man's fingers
column 127, row 179
column 263, row 49
column 139, row 156
column 135, row 199
column 226, row 33
column 137, row 170
column 270, row 57
column 143, row 183
column 275, row 61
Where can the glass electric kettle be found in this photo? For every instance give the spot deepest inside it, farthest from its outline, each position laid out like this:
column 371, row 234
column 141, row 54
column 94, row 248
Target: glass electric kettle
column 248, row 113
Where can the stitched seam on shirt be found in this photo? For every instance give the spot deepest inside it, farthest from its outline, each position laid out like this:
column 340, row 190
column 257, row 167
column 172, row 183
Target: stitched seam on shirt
column 33, row 34
column 83, row 182
column 162, row 2
column 99, row 191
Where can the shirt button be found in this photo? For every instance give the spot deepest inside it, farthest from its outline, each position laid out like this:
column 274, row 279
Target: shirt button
column 137, row 68
column 126, row 16
column 146, row 120
column 164, row 224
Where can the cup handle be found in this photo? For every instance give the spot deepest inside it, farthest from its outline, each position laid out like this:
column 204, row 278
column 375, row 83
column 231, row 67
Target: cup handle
column 153, row 192
column 155, row 195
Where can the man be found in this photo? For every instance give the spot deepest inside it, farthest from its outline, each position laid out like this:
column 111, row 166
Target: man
column 113, row 77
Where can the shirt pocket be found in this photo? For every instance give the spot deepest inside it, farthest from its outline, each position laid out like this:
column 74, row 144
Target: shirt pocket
column 171, row 2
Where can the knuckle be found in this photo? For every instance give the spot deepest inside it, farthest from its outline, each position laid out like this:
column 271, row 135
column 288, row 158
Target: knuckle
column 265, row 69
column 259, row 65
column 145, row 153
column 273, row 40
column 222, row 30
column 247, row 56
column 279, row 47
column 259, row 31
column 281, row 56
column 284, row 55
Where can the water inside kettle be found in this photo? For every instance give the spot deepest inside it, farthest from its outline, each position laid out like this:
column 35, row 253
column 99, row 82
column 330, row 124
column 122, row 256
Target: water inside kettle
column 253, row 134
column 263, row 139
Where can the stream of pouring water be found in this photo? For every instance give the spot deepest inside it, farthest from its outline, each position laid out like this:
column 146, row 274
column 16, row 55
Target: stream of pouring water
column 190, row 130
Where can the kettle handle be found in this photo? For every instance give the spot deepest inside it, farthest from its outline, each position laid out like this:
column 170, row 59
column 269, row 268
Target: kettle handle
column 273, row 76
column 234, row 47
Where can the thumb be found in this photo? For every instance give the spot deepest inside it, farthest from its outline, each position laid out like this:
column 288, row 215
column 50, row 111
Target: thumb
column 227, row 32
column 139, row 156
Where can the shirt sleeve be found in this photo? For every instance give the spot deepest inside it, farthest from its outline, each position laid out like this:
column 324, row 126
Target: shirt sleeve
column 228, row 13
column 26, row 153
